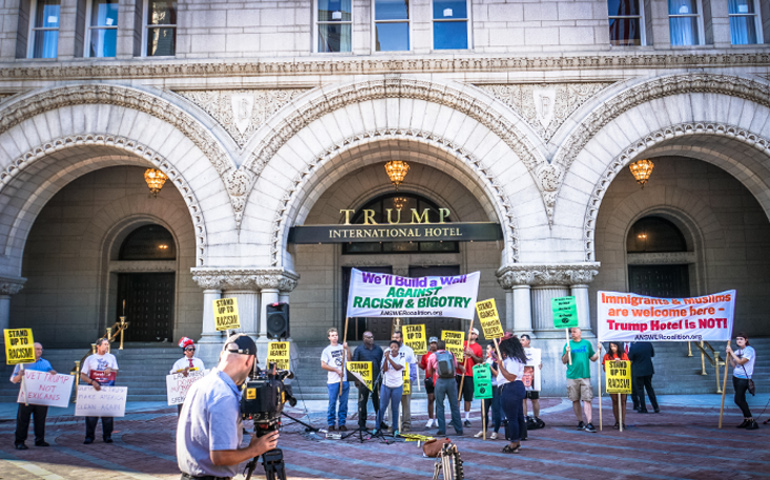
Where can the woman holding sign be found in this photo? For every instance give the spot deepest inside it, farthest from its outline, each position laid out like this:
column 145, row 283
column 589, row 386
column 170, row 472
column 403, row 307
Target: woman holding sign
column 616, row 354
column 392, row 384
column 512, row 391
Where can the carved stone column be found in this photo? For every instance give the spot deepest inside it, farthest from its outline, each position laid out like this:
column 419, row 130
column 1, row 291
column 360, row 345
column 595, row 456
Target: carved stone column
column 518, row 311
column 8, row 287
column 212, row 283
column 273, row 284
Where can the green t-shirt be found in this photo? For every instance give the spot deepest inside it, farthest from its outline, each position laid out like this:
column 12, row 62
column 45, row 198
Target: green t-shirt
column 581, row 352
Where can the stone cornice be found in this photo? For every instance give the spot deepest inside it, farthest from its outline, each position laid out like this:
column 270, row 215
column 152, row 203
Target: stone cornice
column 542, row 274
column 255, row 279
column 11, row 285
column 339, row 65
column 661, row 258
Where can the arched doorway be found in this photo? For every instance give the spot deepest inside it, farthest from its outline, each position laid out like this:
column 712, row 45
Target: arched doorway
column 657, row 275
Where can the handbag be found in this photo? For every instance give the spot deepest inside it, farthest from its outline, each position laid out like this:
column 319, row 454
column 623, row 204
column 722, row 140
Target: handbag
column 752, row 388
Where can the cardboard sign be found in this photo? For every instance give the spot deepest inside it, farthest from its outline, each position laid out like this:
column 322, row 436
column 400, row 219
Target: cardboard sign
column 407, row 384
column 42, row 388
column 177, row 385
column 278, row 353
column 19, row 346
column 618, row 376
column 482, row 381
column 531, row 377
column 489, row 319
column 454, row 343
column 107, row 402
column 414, row 337
column 363, row 372
column 564, row 312
column 226, row 314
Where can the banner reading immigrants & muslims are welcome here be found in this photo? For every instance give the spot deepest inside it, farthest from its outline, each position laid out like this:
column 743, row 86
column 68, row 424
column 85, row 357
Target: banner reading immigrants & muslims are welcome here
column 627, row 317
column 386, row 295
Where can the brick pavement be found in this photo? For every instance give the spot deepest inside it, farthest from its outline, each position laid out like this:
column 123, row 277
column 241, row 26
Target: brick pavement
column 680, row 443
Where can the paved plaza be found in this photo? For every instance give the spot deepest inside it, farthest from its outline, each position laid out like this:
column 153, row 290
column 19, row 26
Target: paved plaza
column 682, row 442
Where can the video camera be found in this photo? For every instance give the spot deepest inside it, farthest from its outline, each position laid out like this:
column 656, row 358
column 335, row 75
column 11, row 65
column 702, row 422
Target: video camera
column 264, row 397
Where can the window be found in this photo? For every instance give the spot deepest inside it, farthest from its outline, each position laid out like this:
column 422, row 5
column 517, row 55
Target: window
column 450, row 25
column 335, row 23
column 626, row 22
column 150, row 242
column 391, row 25
column 160, row 28
column 45, row 29
column 743, row 22
column 655, row 234
column 685, row 23
column 103, row 28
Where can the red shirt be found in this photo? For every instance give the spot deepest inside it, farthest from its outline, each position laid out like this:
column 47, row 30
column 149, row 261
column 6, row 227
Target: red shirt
column 468, row 361
column 432, row 363
column 424, row 363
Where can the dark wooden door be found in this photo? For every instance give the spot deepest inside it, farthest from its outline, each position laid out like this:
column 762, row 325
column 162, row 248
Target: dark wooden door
column 149, row 305
column 664, row 281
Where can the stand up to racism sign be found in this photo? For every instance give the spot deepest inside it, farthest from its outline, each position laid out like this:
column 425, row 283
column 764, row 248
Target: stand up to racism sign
column 385, row 295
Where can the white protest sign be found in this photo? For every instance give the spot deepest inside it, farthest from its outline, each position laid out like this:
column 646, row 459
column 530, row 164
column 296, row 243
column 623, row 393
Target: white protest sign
column 42, row 388
column 107, row 402
column 177, row 385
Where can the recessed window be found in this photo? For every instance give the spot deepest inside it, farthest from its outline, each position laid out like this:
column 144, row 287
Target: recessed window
column 626, row 22
column 103, row 28
column 685, row 22
column 334, row 21
column 150, row 242
column 45, row 29
column 391, row 25
column 744, row 22
column 655, row 234
column 160, row 28
column 450, row 25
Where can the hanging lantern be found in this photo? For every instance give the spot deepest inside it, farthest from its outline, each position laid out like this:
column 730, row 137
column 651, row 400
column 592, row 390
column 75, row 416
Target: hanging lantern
column 399, row 202
column 396, row 170
column 641, row 170
column 155, row 180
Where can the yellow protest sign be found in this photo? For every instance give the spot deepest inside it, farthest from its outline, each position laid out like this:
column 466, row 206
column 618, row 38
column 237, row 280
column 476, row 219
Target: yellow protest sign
column 19, row 346
column 414, row 337
column 363, row 371
column 618, row 376
column 278, row 353
column 489, row 319
column 407, row 384
column 226, row 314
column 454, row 343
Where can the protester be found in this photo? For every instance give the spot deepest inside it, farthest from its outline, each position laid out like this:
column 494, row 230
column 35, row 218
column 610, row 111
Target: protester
column 210, row 429
column 406, row 352
column 493, row 402
column 442, row 366
column 372, row 353
column 392, row 384
column 641, row 354
column 429, row 386
column 742, row 361
column 99, row 370
column 579, row 376
column 188, row 362
column 512, row 391
column 333, row 361
column 25, row 411
column 473, row 355
column 616, row 354
column 532, row 395
column 634, row 393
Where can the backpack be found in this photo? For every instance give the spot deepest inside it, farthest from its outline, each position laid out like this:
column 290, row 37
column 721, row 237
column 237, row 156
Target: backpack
column 445, row 364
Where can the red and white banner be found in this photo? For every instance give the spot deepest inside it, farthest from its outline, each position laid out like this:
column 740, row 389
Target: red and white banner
column 627, row 317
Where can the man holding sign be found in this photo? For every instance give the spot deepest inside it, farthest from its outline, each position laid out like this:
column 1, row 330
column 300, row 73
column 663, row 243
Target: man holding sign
column 372, row 353
column 99, row 370
column 579, row 352
column 27, row 410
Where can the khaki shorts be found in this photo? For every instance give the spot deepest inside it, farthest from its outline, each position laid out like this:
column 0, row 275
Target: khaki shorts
column 579, row 389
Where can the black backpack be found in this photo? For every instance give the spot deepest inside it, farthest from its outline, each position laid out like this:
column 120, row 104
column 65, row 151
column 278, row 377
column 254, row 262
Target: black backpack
column 445, row 364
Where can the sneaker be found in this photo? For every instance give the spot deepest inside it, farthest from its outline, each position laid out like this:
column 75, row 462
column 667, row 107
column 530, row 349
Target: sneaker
column 493, row 436
column 590, row 428
column 467, row 423
column 752, row 425
column 331, row 428
column 343, row 428
column 581, row 425
column 429, row 424
column 479, row 435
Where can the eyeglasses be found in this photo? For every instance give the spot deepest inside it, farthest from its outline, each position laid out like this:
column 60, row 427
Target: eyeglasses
column 189, row 349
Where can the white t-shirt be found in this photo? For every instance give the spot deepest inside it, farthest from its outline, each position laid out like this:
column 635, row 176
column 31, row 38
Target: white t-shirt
column 99, row 363
column 393, row 378
column 332, row 356
column 406, row 352
column 184, row 362
column 514, row 367
column 747, row 369
column 490, row 361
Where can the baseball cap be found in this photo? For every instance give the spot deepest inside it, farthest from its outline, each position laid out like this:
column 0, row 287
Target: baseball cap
column 475, row 330
column 240, row 343
column 433, row 340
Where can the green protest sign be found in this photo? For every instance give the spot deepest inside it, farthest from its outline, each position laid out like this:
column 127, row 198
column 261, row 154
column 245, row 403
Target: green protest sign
column 482, row 381
column 565, row 313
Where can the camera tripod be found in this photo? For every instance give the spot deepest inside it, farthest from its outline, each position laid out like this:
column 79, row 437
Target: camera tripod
column 273, row 463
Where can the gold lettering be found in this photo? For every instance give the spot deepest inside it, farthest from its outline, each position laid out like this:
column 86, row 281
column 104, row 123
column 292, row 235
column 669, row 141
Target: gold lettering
column 398, row 220
column 347, row 213
column 443, row 214
column 334, row 234
column 369, row 217
column 420, row 218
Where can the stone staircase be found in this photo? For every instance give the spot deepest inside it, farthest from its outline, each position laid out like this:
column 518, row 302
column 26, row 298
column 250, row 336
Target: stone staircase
column 143, row 369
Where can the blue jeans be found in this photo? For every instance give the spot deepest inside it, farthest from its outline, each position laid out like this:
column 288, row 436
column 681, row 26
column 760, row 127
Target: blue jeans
column 334, row 394
column 497, row 413
column 447, row 387
column 392, row 395
column 511, row 397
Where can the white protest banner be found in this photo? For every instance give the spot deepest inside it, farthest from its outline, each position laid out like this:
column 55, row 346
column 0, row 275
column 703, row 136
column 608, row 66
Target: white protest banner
column 42, row 388
column 627, row 317
column 107, row 402
column 177, row 385
column 386, row 295
column 531, row 378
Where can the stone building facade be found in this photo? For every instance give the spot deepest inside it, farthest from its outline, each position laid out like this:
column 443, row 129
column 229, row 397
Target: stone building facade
column 268, row 115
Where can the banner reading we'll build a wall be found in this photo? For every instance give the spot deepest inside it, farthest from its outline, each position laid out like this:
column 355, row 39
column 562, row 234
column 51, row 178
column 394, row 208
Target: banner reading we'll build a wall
column 628, row 317
column 385, row 295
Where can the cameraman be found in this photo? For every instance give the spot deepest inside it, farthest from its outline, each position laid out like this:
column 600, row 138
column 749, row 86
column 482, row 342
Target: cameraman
column 210, row 429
